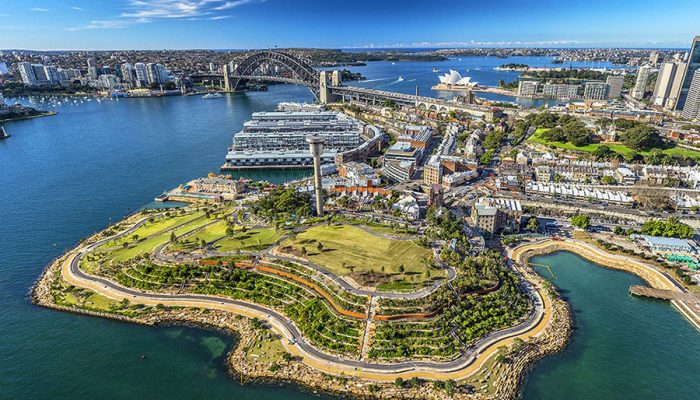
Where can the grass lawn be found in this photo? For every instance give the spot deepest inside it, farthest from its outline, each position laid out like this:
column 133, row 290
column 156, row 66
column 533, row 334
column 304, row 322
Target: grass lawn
column 346, row 247
column 268, row 349
column 251, row 239
column 158, row 226
column 616, row 147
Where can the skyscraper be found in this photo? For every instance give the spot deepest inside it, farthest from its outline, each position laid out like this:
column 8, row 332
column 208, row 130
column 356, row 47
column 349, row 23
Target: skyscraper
column 141, row 74
column 614, row 83
column 691, row 110
column 664, row 82
column 693, row 65
column 641, row 83
column 27, row 73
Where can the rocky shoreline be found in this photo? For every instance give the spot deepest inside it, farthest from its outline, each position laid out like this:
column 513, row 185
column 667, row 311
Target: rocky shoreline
column 505, row 383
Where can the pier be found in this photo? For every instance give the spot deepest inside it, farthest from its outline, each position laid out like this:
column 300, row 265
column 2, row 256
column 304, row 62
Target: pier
column 662, row 294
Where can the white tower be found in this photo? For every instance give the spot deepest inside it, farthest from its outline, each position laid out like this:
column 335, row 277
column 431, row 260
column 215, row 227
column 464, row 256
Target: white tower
column 316, row 149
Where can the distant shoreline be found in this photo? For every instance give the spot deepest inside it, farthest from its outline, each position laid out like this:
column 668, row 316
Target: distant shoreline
column 39, row 115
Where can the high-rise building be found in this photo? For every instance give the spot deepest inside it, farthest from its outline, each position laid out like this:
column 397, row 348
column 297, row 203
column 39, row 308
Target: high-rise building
column 40, row 73
column 141, row 74
column 654, row 58
column 595, row 90
column 156, row 74
column 676, row 85
column 2, row 100
column 128, row 75
column 91, row 63
column 693, row 65
column 52, row 74
column 614, row 83
column 641, row 84
column 27, row 73
column 93, row 73
column 691, row 109
column 664, row 81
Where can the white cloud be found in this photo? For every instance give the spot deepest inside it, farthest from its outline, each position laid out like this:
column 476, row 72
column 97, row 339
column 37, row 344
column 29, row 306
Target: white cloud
column 144, row 11
column 78, row 9
column 232, row 4
column 39, row 9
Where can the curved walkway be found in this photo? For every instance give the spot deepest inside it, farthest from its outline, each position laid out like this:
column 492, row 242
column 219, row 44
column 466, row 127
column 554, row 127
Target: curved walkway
column 458, row 368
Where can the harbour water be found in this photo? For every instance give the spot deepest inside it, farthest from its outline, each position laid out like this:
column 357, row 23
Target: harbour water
column 66, row 176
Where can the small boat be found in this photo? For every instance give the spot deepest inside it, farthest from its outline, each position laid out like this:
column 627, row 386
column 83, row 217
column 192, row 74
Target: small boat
column 400, row 78
column 3, row 134
column 436, row 70
column 213, row 95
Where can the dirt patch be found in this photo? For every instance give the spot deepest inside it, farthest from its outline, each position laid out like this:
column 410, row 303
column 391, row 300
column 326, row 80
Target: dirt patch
column 371, row 279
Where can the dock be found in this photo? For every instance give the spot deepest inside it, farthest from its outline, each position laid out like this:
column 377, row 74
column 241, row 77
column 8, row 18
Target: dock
column 662, row 294
column 687, row 303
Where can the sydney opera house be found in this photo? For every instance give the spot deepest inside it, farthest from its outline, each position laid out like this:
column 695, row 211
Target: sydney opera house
column 455, row 79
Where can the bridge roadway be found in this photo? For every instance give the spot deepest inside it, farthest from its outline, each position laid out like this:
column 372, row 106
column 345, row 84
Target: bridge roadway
column 457, row 368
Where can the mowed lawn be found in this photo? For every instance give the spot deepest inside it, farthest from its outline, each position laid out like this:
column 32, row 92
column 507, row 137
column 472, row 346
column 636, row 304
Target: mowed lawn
column 616, row 147
column 252, row 239
column 347, row 248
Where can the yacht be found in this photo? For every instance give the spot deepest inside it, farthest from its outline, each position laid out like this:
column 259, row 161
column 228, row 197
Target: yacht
column 212, row 95
column 3, row 134
column 436, row 70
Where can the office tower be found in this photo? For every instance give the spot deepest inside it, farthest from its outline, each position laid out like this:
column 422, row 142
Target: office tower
column 614, row 83
column 27, row 73
column 691, row 109
column 91, row 63
column 641, row 83
column 693, row 65
column 52, row 74
column 316, row 149
column 93, row 73
column 664, row 81
column 141, row 74
column 595, row 90
column 675, row 91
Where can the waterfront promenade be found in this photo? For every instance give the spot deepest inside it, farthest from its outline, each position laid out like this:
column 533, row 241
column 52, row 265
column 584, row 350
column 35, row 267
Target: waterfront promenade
column 296, row 344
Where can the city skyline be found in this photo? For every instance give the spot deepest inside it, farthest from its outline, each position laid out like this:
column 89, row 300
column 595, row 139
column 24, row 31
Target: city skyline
column 241, row 24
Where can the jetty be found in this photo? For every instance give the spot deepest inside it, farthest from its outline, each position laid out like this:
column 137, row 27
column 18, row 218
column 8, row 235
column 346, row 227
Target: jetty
column 687, row 303
column 662, row 294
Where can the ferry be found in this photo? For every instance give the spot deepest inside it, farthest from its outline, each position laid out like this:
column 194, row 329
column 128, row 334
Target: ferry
column 212, row 95
column 3, row 134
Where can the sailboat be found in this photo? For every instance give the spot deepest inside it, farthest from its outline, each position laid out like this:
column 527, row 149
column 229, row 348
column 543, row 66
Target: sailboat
column 3, row 134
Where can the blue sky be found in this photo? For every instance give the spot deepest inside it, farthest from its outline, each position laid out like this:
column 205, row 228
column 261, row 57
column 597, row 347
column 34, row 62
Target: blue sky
column 226, row 24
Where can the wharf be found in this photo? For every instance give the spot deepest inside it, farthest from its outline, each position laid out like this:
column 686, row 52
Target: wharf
column 688, row 304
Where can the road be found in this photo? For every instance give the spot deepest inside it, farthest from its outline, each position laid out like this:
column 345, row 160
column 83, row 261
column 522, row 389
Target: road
column 468, row 362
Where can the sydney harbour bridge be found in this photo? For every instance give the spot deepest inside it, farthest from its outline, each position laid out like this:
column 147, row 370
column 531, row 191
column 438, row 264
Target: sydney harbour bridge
column 326, row 86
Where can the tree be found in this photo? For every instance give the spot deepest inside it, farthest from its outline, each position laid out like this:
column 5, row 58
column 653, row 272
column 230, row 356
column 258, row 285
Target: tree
column 532, row 224
column 641, row 137
column 398, row 381
column 320, row 247
column 401, row 269
column 582, row 221
column 608, row 180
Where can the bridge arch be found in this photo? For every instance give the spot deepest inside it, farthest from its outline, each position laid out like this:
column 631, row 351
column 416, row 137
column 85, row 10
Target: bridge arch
column 303, row 72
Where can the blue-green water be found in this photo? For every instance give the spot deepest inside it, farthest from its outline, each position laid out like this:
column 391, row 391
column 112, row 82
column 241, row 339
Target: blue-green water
column 66, row 176
column 623, row 347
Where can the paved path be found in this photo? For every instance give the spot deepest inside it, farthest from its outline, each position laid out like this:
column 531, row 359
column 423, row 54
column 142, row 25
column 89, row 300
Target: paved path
column 458, row 368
